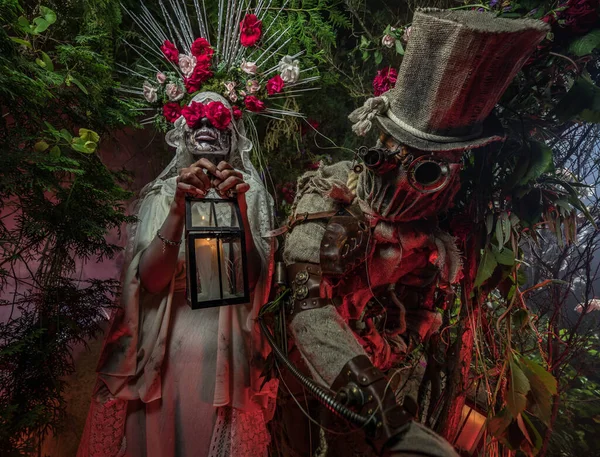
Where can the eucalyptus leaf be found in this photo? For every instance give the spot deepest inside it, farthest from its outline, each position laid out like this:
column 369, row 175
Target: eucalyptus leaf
column 378, row 57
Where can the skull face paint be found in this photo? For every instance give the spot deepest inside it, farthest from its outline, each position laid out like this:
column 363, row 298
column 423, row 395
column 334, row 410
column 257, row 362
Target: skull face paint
column 208, row 141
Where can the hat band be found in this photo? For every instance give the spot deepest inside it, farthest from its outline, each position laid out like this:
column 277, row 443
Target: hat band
column 430, row 136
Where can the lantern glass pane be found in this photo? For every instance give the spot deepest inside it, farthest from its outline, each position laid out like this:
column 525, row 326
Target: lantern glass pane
column 232, row 268
column 207, row 269
column 226, row 215
column 202, row 214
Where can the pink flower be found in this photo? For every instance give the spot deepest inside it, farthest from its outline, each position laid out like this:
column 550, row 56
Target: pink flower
column 254, row 104
column 172, row 111
column 385, row 80
column 170, row 51
column 161, row 77
column 149, row 92
column 253, row 86
column 174, row 92
column 218, row 115
column 187, row 64
column 250, row 30
column 388, row 41
column 193, row 114
column 406, row 35
column 237, row 113
column 275, row 85
column 248, row 67
column 201, row 47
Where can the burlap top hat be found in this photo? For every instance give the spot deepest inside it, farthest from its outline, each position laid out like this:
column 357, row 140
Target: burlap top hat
column 456, row 67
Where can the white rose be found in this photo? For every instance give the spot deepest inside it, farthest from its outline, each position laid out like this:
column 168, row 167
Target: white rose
column 248, row 67
column 388, row 41
column 229, row 85
column 149, row 92
column 174, row 92
column 232, row 96
column 253, row 86
column 289, row 70
column 187, row 64
column 406, row 35
column 161, row 77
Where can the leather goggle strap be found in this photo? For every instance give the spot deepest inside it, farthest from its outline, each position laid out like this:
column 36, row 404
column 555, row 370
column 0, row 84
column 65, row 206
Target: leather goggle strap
column 305, row 282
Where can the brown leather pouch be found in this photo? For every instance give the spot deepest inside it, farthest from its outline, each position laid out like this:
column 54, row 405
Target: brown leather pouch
column 344, row 245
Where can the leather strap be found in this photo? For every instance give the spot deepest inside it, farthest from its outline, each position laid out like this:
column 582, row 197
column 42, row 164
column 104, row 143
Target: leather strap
column 305, row 281
column 298, row 219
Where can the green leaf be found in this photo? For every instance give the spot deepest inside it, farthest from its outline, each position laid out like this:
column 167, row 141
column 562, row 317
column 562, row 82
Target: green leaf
column 586, row 44
column 489, row 223
column 22, row 42
column 80, row 148
column 504, row 257
column 399, row 48
column 24, row 24
column 66, row 135
column 517, row 389
column 89, row 135
column 40, row 146
column 378, row 57
column 47, row 61
column 543, row 387
column 537, row 438
column 55, row 152
column 540, row 161
column 91, row 146
column 41, row 25
column 584, row 95
column 486, row 267
column 78, row 83
column 521, row 319
column 48, row 14
column 40, row 62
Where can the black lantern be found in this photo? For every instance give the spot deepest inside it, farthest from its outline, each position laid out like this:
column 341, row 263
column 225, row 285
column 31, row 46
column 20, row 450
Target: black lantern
column 217, row 271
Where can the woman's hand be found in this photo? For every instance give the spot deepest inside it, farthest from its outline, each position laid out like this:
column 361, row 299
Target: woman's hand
column 192, row 181
column 227, row 180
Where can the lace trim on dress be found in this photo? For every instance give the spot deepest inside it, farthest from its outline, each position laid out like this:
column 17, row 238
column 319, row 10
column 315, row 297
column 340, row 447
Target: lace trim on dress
column 239, row 433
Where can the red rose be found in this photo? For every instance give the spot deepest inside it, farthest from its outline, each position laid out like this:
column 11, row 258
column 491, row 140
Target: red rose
column 250, row 30
column 170, row 51
column 237, row 113
column 254, row 104
column 201, row 47
column 580, row 15
column 172, row 111
column 218, row 115
column 193, row 114
column 275, row 85
column 385, row 80
column 200, row 74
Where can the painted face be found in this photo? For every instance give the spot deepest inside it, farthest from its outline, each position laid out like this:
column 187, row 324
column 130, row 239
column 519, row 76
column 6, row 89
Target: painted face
column 403, row 184
column 208, row 141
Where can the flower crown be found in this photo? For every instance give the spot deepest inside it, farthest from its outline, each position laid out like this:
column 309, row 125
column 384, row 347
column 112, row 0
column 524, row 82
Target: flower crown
column 198, row 66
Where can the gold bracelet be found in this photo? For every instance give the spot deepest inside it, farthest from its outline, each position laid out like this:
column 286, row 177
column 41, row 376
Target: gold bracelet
column 166, row 242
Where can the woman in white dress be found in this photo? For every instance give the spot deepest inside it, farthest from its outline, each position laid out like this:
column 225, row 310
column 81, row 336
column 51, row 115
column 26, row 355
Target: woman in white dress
column 177, row 382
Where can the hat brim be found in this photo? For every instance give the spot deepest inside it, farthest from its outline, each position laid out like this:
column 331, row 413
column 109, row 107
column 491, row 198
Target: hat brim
column 492, row 131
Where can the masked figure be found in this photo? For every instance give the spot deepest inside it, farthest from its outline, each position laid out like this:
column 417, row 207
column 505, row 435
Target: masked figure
column 175, row 381
column 367, row 261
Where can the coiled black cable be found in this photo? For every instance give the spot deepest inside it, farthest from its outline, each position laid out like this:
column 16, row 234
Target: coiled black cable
column 324, row 397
